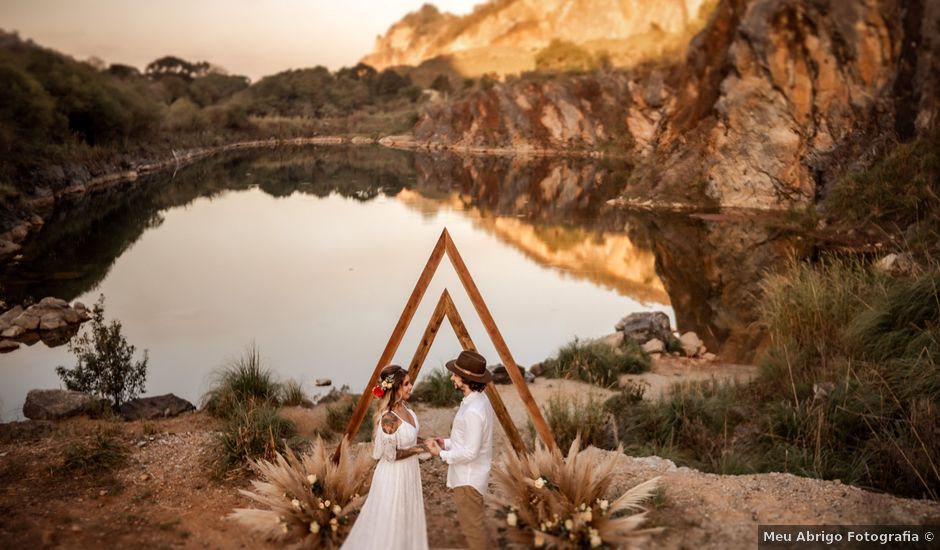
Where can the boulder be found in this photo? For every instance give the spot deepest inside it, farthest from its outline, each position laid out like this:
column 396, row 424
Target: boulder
column 643, row 327
column 71, row 316
column 710, row 356
column 323, row 382
column 690, row 343
column 501, row 375
column 7, row 346
column 160, row 406
column 537, row 369
column 53, row 303
column 51, row 321
column 13, row 331
column 28, row 321
column 898, row 264
column 654, row 346
column 57, row 404
column 7, row 317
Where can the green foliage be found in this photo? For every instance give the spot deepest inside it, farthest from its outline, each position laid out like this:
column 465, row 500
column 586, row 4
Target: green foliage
column 339, row 415
column 252, row 431
column 214, row 87
column 103, row 453
column 597, row 362
column 848, row 390
column 242, row 382
column 174, row 66
column 901, row 189
column 293, row 395
column 105, row 362
column 569, row 417
column 437, row 389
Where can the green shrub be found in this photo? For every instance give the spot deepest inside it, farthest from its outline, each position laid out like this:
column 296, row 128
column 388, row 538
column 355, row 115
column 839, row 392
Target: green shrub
column 103, row 453
column 901, row 189
column 437, row 389
column 597, row 362
column 339, row 415
column 252, row 431
column 569, row 417
column 243, row 380
column 293, row 395
column 561, row 55
column 105, row 362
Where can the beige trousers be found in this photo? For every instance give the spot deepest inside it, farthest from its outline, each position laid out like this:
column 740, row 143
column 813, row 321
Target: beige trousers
column 472, row 518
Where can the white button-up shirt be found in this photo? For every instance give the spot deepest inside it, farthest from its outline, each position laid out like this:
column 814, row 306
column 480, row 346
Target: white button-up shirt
column 469, row 450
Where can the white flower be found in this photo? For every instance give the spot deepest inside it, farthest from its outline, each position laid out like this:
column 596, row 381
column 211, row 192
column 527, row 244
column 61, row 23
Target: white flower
column 539, row 540
column 511, row 519
column 539, row 483
column 603, row 504
column 569, row 524
column 296, row 504
column 326, row 503
column 311, row 479
column 587, row 516
column 596, row 541
column 280, row 519
column 321, row 505
column 337, row 509
column 314, row 527
column 334, row 525
column 284, row 527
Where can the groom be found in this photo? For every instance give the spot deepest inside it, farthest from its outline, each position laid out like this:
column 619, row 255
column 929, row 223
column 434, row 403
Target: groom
column 469, row 450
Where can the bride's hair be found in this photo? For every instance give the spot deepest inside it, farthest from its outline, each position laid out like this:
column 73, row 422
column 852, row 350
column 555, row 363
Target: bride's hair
column 392, row 376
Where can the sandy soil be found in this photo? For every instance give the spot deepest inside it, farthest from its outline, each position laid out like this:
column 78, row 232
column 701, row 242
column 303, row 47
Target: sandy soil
column 164, row 497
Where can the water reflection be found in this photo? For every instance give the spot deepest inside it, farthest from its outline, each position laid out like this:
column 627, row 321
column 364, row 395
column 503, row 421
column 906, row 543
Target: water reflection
column 281, row 245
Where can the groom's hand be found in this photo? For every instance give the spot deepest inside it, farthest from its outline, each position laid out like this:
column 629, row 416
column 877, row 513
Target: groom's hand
column 433, row 447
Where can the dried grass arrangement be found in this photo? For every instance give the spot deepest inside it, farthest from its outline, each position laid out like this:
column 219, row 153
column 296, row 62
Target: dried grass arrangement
column 551, row 501
column 307, row 500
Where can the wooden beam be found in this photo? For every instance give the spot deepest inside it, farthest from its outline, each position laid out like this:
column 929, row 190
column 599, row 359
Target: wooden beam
column 434, row 324
column 499, row 408
column 501, row 348
column 394, row 340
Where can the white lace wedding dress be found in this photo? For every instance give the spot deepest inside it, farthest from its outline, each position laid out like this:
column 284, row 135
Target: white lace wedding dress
column 392, row 517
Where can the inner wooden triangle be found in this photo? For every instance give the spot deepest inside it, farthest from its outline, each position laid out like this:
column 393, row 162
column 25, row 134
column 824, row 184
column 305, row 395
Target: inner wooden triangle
column 446, row 308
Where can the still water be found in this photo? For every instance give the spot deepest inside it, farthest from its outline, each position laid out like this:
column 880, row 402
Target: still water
column 313, row 258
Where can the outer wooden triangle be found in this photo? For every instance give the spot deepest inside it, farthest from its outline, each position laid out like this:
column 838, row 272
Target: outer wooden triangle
column 445, row 307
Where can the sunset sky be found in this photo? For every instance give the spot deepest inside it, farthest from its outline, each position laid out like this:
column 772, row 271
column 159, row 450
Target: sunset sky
column 250, row 37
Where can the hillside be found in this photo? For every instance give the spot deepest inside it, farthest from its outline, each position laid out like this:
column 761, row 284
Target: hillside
column 505, row 36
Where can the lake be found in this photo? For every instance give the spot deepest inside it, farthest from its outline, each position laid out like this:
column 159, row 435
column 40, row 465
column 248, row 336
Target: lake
column 312, row 253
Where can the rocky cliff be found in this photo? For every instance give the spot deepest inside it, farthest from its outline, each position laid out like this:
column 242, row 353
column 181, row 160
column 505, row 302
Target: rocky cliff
column 516, row 29
column 775, row 99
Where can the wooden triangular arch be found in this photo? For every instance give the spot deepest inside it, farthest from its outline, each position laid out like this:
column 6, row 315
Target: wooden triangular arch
column 446, row 307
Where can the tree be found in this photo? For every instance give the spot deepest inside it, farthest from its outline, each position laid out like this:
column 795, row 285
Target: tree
column 171, row 65
column 105, row 366
column 442, row 84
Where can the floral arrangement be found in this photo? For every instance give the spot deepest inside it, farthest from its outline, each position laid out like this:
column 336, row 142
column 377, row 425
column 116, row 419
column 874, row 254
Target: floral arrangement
column 551, row 501
column 307, row 499
column 386, row 384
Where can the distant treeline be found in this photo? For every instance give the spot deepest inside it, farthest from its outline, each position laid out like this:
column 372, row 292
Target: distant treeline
column 56, row 110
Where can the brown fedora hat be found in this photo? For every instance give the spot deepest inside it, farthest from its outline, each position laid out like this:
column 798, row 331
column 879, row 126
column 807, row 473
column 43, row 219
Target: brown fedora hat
column 470, row 365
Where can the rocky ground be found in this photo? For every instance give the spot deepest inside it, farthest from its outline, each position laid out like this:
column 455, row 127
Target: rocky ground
column 163, row 496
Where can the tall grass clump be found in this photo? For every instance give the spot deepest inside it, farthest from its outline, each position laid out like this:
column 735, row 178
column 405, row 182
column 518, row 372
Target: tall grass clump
column 252, row 432
column 900, row 190
column 243, row 380
column 292, row 394
column 437, row 389
column 597, row 362
column 570, row 418
column 857, row 353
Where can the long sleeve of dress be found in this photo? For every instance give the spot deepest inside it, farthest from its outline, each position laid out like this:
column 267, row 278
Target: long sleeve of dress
column 384, row 446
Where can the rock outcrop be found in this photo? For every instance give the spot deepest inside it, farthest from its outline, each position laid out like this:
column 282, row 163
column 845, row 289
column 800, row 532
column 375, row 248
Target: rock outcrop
column 58, row 404
column 774, row 100
column 502, row 35
column 160, row 406
column 52, row 319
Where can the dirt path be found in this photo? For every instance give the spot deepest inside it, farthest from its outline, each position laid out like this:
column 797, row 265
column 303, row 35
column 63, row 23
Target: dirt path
column 164, row 497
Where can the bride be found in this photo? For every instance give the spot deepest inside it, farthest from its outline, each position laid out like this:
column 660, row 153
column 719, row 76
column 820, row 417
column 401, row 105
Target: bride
column 393, row 514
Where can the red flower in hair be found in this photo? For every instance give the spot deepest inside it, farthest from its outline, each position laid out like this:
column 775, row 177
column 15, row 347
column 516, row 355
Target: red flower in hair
column 378, row 392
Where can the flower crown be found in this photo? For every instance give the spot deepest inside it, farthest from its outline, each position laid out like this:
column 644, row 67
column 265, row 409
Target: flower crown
column 384, row 385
